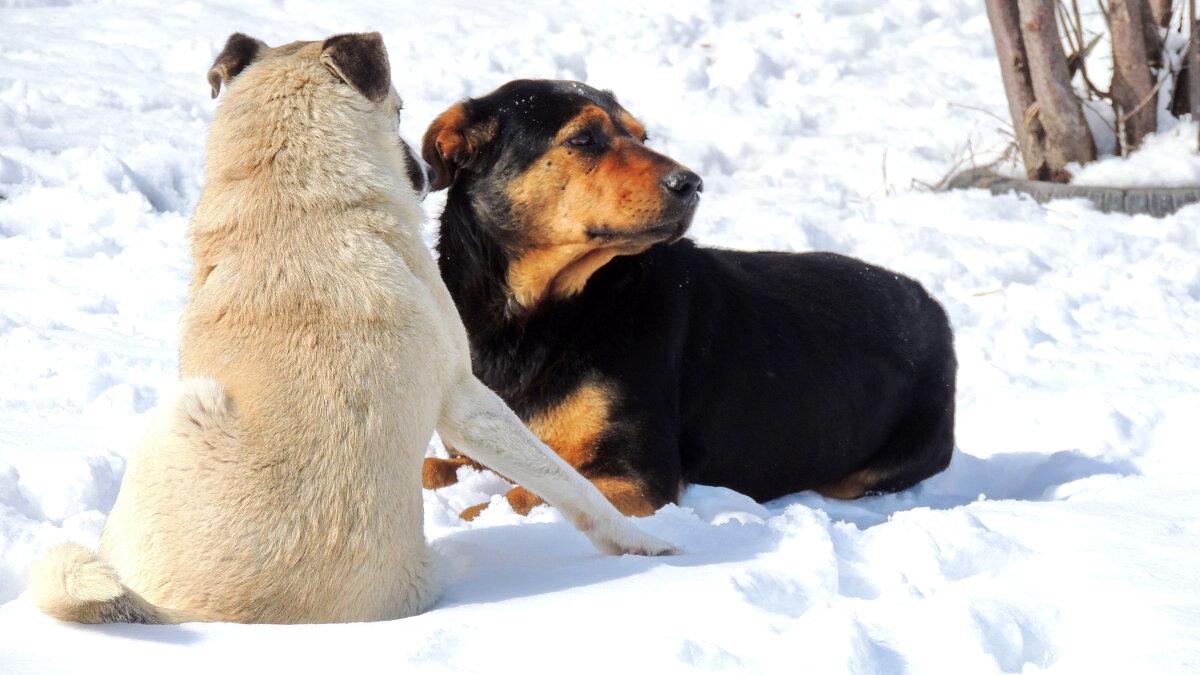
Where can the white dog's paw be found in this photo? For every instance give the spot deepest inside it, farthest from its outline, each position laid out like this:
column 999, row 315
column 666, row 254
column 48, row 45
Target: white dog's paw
column 622, row 536
column 652, row 546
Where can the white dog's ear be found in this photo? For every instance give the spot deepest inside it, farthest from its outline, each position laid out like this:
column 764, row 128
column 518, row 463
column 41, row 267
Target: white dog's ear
column 454, row 141
column 239, row 51
column 360, row 60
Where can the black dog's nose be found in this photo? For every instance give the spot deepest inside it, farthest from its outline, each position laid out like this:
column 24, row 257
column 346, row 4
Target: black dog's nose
column 430, row 175
column 683, row 183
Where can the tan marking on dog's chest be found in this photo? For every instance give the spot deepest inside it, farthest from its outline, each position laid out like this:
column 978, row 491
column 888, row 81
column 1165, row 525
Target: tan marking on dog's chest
column 560, row 271
column 573, row 427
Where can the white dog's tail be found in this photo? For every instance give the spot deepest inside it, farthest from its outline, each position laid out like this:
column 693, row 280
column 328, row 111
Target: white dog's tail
column 72, row 583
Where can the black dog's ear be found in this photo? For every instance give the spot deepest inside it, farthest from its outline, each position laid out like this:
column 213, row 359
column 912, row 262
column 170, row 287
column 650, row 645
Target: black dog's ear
column 452, row 142
column 239, row 51
column 361, row 61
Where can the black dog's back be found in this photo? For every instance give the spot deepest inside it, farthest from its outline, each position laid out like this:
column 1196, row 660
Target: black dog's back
column 793, row 364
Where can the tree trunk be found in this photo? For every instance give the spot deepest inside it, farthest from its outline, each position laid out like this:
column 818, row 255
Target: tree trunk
column 1193, row 63
column 1160, row 12
column 1132, row 83
column 1181, row 97
column 1014, row 70
column 1068, row 138
column 1150, row 34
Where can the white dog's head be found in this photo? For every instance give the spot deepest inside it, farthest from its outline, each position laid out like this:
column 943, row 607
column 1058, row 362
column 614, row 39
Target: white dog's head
column 329, row 105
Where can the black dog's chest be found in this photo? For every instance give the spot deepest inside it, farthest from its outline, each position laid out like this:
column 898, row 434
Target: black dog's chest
column 530, row 375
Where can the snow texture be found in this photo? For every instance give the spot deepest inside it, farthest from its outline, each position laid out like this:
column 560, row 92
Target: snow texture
column 1065, row 536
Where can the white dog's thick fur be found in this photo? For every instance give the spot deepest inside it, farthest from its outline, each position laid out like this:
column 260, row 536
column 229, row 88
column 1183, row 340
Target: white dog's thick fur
column 319, row 349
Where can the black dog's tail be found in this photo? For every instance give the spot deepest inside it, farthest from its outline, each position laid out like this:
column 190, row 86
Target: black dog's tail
column 72, row 583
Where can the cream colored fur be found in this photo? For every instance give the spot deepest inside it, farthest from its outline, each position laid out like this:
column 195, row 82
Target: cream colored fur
column 319, row 349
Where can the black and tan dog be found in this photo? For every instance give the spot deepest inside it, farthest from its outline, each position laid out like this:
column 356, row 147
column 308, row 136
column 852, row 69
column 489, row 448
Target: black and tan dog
column 648, row 362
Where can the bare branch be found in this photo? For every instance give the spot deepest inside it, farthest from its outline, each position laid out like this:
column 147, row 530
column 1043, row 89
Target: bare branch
column 976, row 108
column 1076, row 22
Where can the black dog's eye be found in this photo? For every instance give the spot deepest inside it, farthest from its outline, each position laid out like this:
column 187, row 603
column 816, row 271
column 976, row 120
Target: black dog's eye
column 582, row 140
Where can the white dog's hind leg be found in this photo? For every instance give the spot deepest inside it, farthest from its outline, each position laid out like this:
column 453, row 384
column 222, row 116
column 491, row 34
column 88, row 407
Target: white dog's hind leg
column 475, row 420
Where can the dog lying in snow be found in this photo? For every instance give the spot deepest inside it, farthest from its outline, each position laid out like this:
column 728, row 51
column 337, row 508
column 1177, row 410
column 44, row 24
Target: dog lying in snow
column 319, row 349
column 649, row 362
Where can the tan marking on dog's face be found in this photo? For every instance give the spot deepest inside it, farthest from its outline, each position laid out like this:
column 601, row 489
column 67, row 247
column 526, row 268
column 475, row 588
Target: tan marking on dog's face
column 582, row 205
column 573, row 427
column 631, row 125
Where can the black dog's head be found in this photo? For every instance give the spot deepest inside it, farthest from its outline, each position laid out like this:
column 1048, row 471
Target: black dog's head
column 559, row 174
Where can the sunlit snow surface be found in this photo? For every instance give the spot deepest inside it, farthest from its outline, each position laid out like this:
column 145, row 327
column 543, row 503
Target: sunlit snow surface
column 1064, row 537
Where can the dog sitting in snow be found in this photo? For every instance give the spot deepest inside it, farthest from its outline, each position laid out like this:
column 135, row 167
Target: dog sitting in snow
column 319, row 350
column 649, row 362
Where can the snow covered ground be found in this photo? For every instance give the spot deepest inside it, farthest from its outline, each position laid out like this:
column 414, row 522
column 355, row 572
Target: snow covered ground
column 1065, row 536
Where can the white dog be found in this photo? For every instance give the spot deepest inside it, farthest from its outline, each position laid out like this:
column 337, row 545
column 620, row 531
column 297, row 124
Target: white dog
column 319, row 349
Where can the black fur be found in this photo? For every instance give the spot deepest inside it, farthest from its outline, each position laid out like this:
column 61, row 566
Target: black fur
column 240, row 49
column 768, row 373
column 360, row 60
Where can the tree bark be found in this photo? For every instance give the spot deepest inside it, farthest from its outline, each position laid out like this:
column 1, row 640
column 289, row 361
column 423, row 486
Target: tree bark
column 1014, row 71
column 1182, row 97
column 1193, row 62
column 1068, row 138
column 1160, row 12
column 1132, row 84
column 1150, row 26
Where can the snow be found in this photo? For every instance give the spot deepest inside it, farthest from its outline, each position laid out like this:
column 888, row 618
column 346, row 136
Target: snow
column 1064, row 537
column 1166, row 158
